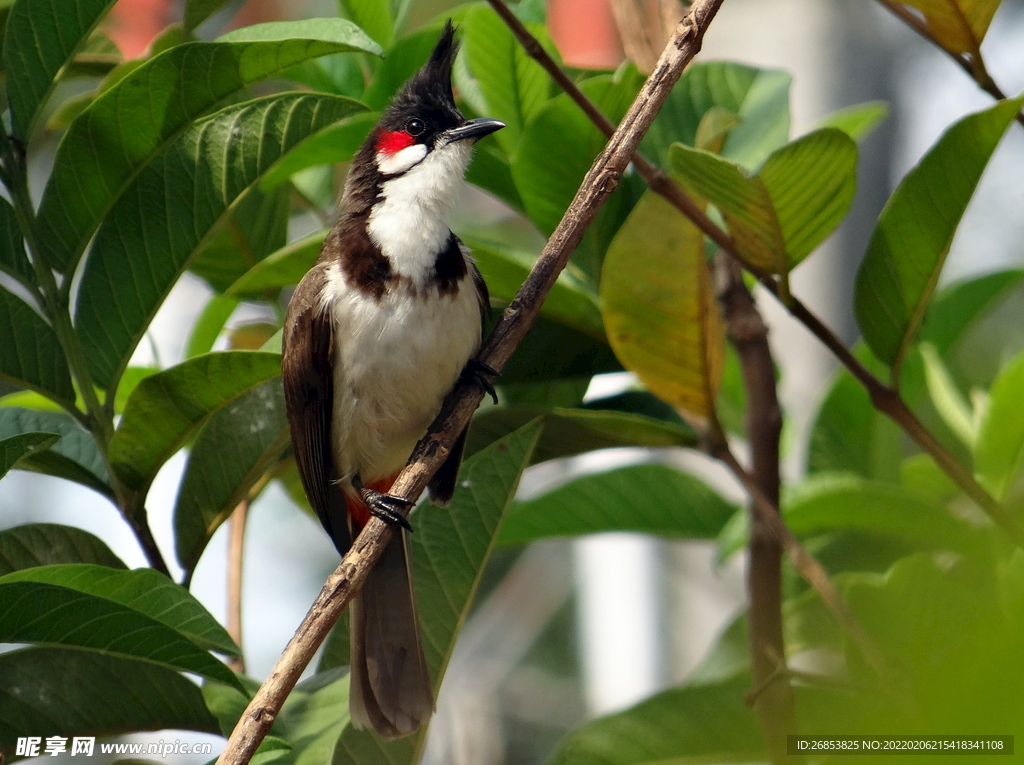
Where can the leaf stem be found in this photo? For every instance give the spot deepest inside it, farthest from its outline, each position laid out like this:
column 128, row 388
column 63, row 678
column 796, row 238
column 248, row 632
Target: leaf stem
column 515, row 322
column 884, row 398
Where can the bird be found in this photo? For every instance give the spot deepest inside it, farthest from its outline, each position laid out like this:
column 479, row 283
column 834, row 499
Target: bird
column 376, row 334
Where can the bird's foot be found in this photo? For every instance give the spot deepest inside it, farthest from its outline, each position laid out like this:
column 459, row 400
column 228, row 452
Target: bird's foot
column 477, row 373
column 387, row 507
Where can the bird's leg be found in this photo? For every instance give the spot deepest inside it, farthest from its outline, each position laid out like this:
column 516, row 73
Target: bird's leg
column 387, row 507
column 476, row 372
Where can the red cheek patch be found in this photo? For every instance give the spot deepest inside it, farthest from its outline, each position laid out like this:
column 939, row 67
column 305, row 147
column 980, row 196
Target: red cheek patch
column 389, row 143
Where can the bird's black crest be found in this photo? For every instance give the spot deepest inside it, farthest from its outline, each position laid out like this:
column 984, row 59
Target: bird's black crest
column 430, row 89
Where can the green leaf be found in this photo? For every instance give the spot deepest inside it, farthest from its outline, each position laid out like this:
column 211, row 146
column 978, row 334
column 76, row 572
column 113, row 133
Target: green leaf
column 490, row 170
column 337, row 143
column 144, row 114
column 198, row 11
column 282, row 268
column 234, row 449
column 956, row 307
column 568, row 432
column 567, row 392
column 759, row 97
column 999, row 453
column 915, row 230
column 314, row 716
column 946, row 397
column 143, row 590
column 39, row 41
column 42, row 544
column 811, row 183
column 31, row 355
column 513, row 85
column 337, row 650
column 650, row 499
column 857, row 121
column 552, row 351
column 952, row 313
column 256, row 227
column 15, row 448
column 849, row 434
column 659, row 307
column 699, row 723
column 402, row 61
column 227, row 703
column 166, row 408
column 828, row 502
column 449, row 551
column 795, row 201
column 374, row 16
column 557, row 149
column 954, row 655
column 569, row 302
column 13, row 260
column 209, row 325
column 743, row 202
column 958, row 25
column 56, row 691
column 75, row 456
column 133, row 266
column 36, row 612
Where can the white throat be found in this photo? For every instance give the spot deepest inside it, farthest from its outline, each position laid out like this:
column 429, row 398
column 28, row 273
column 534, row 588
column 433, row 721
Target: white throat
column 410, row 224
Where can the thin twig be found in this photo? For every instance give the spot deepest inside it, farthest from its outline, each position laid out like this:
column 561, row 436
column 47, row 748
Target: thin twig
column 774, row 701
column 511, row 328
column 884, row 398
column 974, row 66
column 808, row 566
column 236, row 560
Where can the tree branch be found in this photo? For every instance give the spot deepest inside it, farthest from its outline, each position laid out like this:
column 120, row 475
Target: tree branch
column 774, row 703
column 885, row 399
column 511, row 328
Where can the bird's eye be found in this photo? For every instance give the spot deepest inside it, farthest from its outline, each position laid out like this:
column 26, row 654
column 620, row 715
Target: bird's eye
column 415, row 126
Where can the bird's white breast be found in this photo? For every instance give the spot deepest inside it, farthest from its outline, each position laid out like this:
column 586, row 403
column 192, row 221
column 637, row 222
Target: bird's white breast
column 410, row 223
column 395, row 360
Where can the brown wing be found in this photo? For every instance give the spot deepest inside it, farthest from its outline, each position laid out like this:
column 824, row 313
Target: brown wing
column 307, row 364
column 442, row 485
column 481, row 289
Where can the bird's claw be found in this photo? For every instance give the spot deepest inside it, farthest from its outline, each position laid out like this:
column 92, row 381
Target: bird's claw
column 476, row 372
column 387, row 507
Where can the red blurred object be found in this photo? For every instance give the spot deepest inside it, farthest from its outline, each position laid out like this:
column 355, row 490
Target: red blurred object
column 133, row 24
column 585, row 33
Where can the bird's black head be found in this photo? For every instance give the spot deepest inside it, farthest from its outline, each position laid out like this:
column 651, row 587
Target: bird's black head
column 423, row 113
column 421, row 130
column 424, row 107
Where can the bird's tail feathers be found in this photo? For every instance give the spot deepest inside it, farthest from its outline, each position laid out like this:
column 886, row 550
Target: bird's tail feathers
column 390, row 689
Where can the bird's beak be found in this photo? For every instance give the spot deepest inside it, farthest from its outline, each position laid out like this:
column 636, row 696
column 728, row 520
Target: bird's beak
column 476, row 129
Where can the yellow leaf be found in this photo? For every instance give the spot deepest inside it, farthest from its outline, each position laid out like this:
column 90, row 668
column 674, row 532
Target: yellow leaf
column 659, row 308
column 958, row 25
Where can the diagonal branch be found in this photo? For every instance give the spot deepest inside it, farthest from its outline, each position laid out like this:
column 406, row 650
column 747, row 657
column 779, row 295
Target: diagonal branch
column 512, row 327
column 885, row 399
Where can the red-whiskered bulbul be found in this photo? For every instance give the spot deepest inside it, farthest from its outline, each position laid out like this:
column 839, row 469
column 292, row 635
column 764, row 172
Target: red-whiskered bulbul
column 376, row 334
